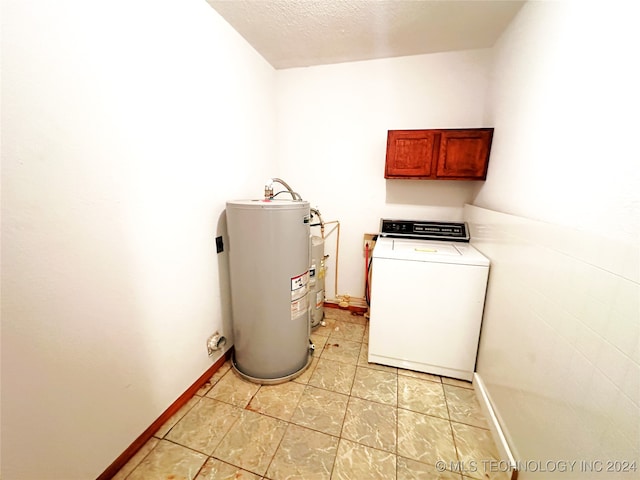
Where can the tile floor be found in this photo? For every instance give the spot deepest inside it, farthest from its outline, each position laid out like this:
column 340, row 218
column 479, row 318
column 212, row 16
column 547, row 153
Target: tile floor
column 343, row 418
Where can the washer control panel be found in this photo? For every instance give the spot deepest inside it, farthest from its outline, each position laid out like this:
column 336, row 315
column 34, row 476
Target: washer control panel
column 425, row 230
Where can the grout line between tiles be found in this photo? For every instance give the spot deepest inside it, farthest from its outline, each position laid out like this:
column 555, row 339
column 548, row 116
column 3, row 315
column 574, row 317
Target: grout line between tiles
column 141, row 460
column 339, row 437
column 202, row 467
column 266, row 470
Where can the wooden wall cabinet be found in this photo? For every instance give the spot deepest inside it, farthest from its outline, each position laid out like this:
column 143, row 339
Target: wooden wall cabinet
column 445, row 154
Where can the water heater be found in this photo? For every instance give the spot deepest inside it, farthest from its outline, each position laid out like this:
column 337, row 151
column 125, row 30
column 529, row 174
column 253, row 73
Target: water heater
column 269, row 258
column 316, row 284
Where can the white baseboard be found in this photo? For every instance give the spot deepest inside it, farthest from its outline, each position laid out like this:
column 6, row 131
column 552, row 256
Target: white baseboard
column 494, row 425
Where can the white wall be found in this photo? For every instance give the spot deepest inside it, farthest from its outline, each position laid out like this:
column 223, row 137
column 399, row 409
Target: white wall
column 559, row 351
column 332, row 127
column 125, row 127
column 560, row 345
column 566, row 101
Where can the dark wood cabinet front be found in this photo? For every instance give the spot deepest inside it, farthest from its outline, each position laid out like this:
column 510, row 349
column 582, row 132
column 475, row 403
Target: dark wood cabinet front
column 449, row 154
column 411, row 153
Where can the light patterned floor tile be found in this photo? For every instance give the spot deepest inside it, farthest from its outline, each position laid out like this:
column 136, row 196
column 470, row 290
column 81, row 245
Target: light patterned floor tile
column 476, row 445
column 363, row 361
column 355, row 461
column 345, row 315
column 319, row 342
column 498, row 475
column 457, row 383
column 168, row 460
column 376, row 386
column 390, row 422
column 358, row 318
column 343, row 330
column 224, row 368
column 252, row 442
column 334, row 376
column 321, row 410
column 340, row 350
column 372, row 424
column 278, row 401
column 422, row 375
column 136, row 459
column 425, row 438
column 233, row 389
column 304, row 454
column 464, row 406
column 176, row 417
column 304, row 377
column 324, row 330
column 334, row 313
column 205, row 425
column 411, row 470
column 422, row 396
column 216, row 470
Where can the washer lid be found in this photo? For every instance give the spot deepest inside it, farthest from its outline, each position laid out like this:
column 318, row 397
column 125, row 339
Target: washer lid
column 428, row 251
column 427, row 248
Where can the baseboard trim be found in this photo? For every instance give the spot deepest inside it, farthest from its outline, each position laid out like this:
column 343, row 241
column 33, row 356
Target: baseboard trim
column 494, row 425
column 360, row 309
column 139, row 442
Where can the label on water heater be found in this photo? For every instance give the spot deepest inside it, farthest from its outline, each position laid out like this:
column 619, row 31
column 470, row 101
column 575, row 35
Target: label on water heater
column 299, row 285
column 299, row 297
column 319, row 299
column 312, row 276
column 299, row 307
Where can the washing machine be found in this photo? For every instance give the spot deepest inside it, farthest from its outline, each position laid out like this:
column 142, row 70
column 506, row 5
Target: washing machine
column 428, row 286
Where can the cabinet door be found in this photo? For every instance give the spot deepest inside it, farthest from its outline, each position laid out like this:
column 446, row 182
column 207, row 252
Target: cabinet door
column 464, row 154
column 411, row 153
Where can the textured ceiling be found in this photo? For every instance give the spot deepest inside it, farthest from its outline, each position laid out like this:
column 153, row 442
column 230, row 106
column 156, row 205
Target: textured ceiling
column 297, row 33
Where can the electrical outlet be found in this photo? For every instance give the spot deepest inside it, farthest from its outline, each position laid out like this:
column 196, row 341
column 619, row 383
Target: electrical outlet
column 370, row 239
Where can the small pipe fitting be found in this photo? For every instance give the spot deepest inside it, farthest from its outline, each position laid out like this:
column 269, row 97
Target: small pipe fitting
column 215, row 342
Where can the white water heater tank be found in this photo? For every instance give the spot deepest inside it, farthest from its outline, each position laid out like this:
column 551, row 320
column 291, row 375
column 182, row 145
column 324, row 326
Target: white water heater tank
column 269, row 262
